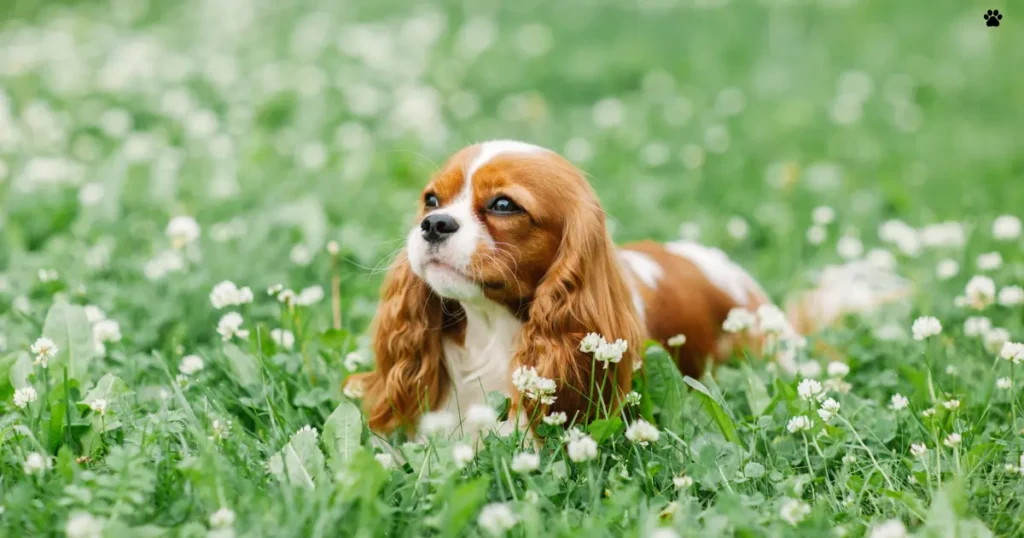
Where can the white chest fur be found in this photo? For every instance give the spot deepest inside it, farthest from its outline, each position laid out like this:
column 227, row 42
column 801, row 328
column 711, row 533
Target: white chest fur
column 482, row 363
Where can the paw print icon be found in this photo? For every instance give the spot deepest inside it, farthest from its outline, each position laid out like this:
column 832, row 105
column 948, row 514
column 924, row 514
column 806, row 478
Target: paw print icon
column 992, row 17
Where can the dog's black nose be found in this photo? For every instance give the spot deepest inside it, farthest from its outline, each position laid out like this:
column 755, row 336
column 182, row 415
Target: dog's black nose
column 437, row 227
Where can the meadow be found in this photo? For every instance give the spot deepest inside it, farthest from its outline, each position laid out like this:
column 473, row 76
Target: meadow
column 199, row 200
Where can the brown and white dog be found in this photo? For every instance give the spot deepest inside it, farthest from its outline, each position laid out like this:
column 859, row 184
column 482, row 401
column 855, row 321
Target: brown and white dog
column 509, row 264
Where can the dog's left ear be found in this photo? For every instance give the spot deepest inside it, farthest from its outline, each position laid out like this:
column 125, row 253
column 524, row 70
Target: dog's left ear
column 583, row 291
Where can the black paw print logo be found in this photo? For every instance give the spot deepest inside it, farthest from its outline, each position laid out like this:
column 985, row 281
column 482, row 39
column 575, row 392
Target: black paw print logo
column 992, row 17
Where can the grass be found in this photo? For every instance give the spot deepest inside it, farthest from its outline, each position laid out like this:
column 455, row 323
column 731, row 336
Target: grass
column 309, row 123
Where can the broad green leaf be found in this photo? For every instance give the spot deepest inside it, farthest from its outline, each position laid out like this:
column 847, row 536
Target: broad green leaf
column 717, row 410
column 605, row 428
column 757, row 393
column 244, row 367
column 753, row 470
column 463, row 503
column 500, row 403
column 335, row 338
column 109, row 387
column 20, row 371
column 69, row 328
column 665, row 387
column 300, row 461
column 343, row 434
column 949, row 515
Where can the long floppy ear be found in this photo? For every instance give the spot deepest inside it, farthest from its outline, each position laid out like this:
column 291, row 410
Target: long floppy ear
column 410, row 377
column 584, row 291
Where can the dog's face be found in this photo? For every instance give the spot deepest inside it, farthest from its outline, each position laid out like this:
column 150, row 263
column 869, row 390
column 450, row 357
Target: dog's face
column 490, row 223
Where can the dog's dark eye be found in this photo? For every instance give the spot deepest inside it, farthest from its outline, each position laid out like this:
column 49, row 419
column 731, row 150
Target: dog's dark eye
column 430, row 200
column 503, row 205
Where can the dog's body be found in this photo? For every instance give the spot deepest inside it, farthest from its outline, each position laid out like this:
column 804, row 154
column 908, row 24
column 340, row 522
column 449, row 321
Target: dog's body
column 510, row 265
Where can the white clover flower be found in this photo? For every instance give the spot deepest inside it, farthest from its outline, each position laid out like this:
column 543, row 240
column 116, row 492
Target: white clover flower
column 24, row 396
column 737, row 228
column 481, row 417
column 638, row 364
column 354, row 390
column 1011, row 296
column 1012, row 351
column 809, row 369
column 226, row 294
column 611, row 352
column 94, row 313
column 947, row 269
column 1004, row 383
column 222, row 518
column 836, row 384
column 838, row 369
column 386, row 461
column 496, row 518
column 48, row 275
column 83, row 525
column 182, row 231
column 1006, row 228
column 275, row 289
column 633, row 398
column 899, row 402
column 816, row 235
column 99, row 406
column 44, row 350
column 793, row 511
column 677, row 340
column 591, row 342
column 556, row 419
column 434, row 422
column 952, row 440
column 36, row 463
column 952, row 370
column 829, row 409
column 532, row 386
column 230, row 326
column 106, row 330
column 823, row 215
column 739, row 320
column 354, row 360
column 928, row 413
column 190, row 364
column 525, row 462
column 925, row 327
column 893, row 528
column 798, row 424
column 663, row 532
column 310, row 296
column 989, row 261
column 310, row 430
column 994, row 339
column 979, row 292
column 300, row 255
column 809, row 388
column 682, row 482
column 918, row 449
column 581, row 447
column 220, row 428
column 333, row 248
column 462, row 455
column 976, row 326
column 951, row 405
column 168, row 261
column 283, row 338
column 849, row 247
column 642, row 432
column 770, row 319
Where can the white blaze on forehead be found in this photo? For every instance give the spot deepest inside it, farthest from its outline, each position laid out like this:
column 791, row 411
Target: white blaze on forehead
column 719, row 269
column 489, row 150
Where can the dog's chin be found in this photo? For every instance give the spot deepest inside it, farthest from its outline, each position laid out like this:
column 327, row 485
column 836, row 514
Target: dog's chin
column 450, row 283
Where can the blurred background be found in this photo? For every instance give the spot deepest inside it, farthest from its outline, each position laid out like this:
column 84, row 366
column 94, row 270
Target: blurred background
column 282, row 125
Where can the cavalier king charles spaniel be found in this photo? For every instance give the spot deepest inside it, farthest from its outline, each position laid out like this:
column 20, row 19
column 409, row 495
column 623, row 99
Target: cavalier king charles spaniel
column 509, row 264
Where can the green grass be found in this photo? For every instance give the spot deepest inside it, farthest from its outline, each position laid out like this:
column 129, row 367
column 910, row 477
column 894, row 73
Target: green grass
column 760, row 110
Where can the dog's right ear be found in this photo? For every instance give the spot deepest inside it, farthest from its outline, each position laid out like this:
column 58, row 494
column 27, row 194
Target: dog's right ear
column 410, row 377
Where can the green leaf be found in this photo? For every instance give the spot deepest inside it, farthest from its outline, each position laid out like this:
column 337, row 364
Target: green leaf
column 605, row 428
column 109, row 388
column 500, row 403
column 463, row 502
column 244, row 367
column 717, row 410
column 335, row 338
column 665, row 387
column 343, row 434
column 753, row 470
column 69, row 328
column 20, row 370
column 300, row 461
column 949, row 516
column 757, row 393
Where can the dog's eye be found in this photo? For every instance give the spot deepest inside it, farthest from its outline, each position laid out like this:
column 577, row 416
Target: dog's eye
column 430, row 200
column 503, row 205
